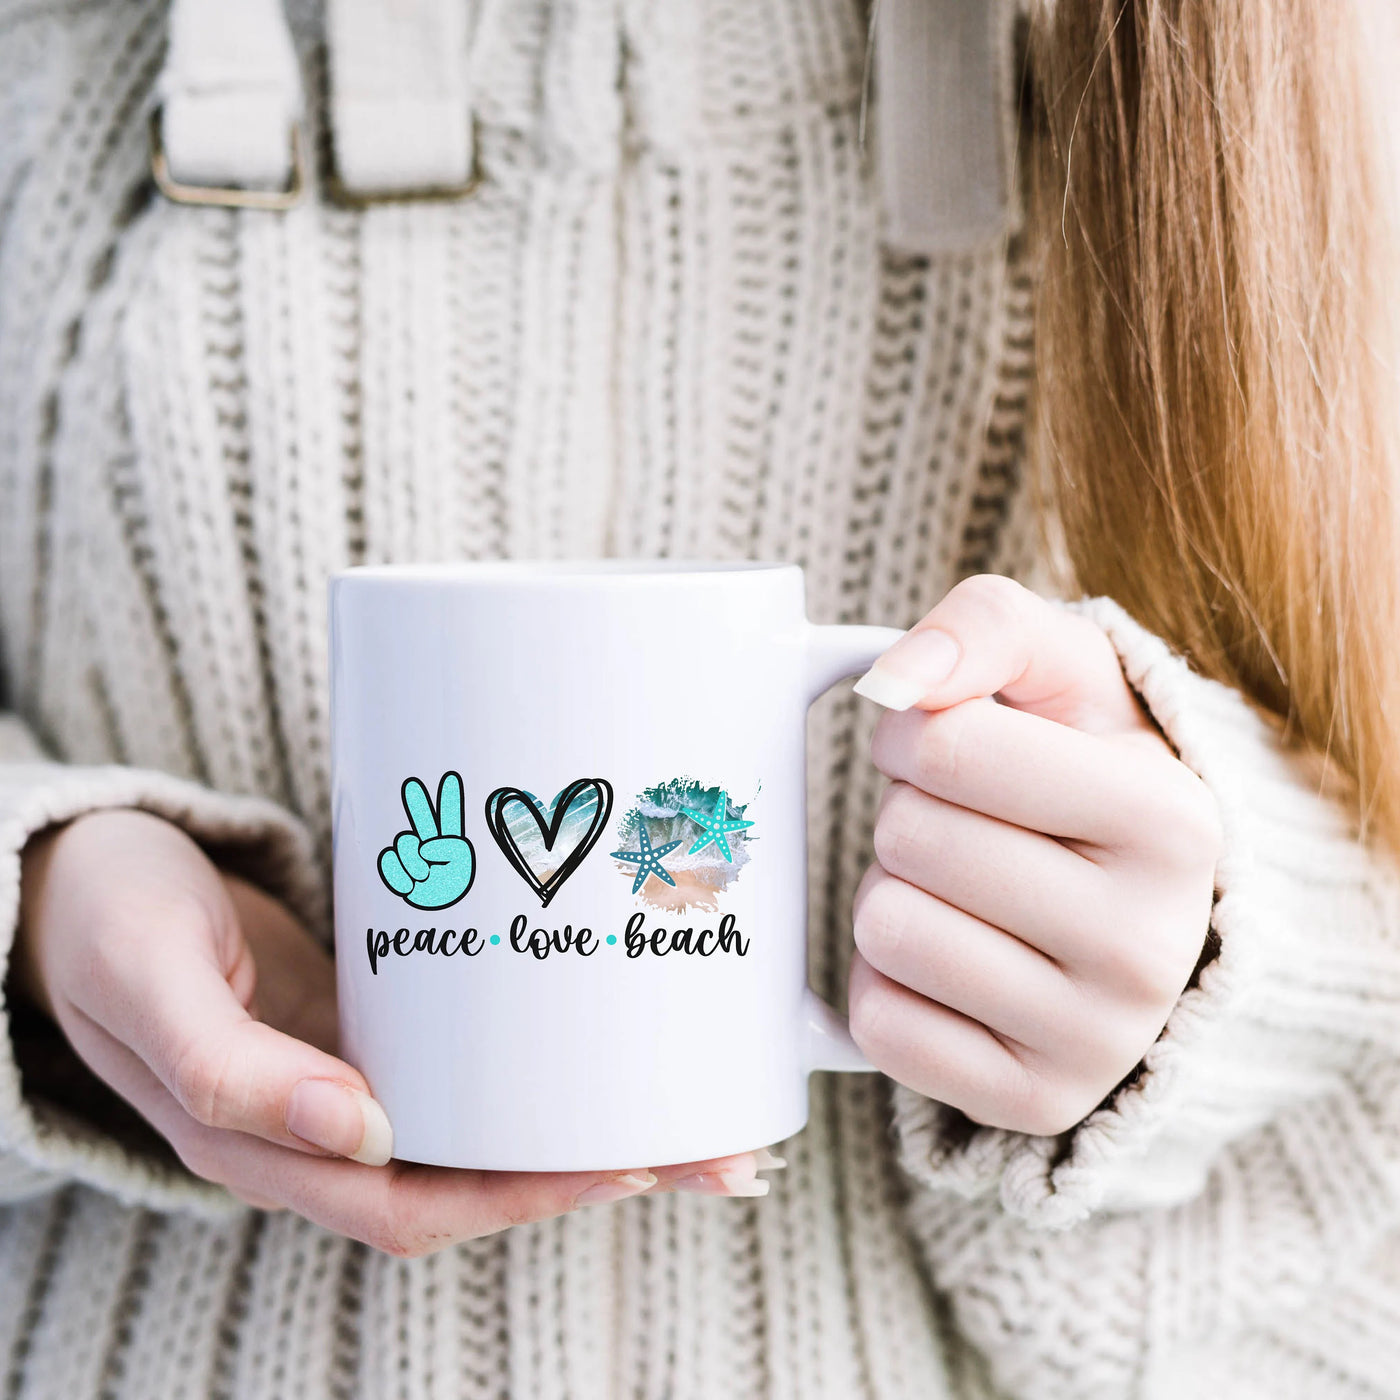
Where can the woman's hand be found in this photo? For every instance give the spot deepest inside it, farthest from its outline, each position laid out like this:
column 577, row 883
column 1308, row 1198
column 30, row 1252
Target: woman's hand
column 1045, row 865
column 202, row 1002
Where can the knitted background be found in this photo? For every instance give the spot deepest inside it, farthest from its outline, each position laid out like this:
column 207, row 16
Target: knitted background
column 664, row 326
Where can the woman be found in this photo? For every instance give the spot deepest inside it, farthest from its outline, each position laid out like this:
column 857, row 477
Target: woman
column 667, row 323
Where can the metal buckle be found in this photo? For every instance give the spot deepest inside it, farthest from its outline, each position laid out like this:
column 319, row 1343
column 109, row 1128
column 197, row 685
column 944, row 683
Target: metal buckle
column 228, row 196
column 340, row 194
column 235, row 197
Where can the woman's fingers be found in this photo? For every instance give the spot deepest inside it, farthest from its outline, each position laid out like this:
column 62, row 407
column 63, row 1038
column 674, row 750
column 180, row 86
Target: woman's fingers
column 228, row 1071
column 736, row 1175
column 194, row 1031
column 1111, row 792
column 1014, row 879
column 959, row 961
column 408, row 1209
column 1131, row 926
column 401, row 1208
column 1046, row 864
column 943, row 1054
column 235, row 1073
column 990, row 636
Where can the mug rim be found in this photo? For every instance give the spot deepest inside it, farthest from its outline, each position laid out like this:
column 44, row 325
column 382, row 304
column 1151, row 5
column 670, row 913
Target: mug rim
column 555, row 571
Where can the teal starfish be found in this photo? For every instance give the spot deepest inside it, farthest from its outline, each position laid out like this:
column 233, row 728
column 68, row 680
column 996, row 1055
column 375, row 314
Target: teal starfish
column 647, row 860
column 716, row 827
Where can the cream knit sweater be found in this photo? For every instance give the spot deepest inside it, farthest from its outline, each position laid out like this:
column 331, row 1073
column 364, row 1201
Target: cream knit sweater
column 665, row 325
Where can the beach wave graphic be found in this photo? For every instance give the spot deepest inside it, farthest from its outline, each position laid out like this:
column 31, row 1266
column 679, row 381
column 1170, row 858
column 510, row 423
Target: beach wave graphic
column 697, row 863
column 529, row 838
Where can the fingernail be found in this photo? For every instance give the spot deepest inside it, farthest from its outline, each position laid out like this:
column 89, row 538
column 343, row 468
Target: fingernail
column 910, row 669
column 720, row 1184
column 766, row 1161
column 377, row 1145
column 340, row 1119
column 616, row 1188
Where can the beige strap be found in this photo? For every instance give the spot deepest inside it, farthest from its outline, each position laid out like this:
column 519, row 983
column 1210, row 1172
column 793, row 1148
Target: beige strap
column 944, row 122
column 400, row 101
column 230, row 94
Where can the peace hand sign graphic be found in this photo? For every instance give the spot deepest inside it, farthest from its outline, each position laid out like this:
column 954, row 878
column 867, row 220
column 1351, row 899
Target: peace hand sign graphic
column 433, row 865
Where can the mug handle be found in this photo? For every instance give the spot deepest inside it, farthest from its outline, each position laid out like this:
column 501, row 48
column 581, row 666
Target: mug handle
column 832, row 654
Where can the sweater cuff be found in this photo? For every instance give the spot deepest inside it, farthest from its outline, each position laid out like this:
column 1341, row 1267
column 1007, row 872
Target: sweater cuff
column 43, row 1145
column 1237, row 1047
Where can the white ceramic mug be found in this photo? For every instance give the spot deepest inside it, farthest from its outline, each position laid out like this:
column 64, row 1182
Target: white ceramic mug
column 571, row 856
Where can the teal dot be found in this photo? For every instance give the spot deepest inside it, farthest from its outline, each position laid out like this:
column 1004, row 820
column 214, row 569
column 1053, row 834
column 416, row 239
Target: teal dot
column 612, row 938
column 495, row 938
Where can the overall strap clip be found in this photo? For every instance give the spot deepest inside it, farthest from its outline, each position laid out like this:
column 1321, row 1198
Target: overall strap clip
column 945, row 122
column 228, row 127
column 230, row 131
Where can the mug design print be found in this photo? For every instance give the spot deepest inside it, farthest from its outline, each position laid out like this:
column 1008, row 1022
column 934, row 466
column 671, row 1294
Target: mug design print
column 683, row 844
column 432, row 864
column 547, row 843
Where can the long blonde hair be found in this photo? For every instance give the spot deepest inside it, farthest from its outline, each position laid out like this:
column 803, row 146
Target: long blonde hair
column 1215, row 390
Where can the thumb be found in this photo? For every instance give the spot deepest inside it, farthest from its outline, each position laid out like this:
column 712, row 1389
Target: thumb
column 181, row 1008
column 990, row 636
column 445, row 850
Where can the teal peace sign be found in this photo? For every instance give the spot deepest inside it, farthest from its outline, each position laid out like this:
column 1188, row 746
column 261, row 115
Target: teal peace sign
column 432, row 865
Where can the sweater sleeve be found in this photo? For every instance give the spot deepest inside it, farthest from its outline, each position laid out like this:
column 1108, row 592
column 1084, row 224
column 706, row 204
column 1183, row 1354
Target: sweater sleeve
column 1212, row 1200
column 84, row 1134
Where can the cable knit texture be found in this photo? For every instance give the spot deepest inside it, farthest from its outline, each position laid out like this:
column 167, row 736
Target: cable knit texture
column 664, row 326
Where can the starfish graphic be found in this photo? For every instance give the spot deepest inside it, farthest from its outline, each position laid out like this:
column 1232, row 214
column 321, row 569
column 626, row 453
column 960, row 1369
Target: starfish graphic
column 648, row 860
column 716, row 827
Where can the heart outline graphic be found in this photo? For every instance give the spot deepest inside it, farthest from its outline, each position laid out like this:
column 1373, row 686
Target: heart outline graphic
column 564, row 800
